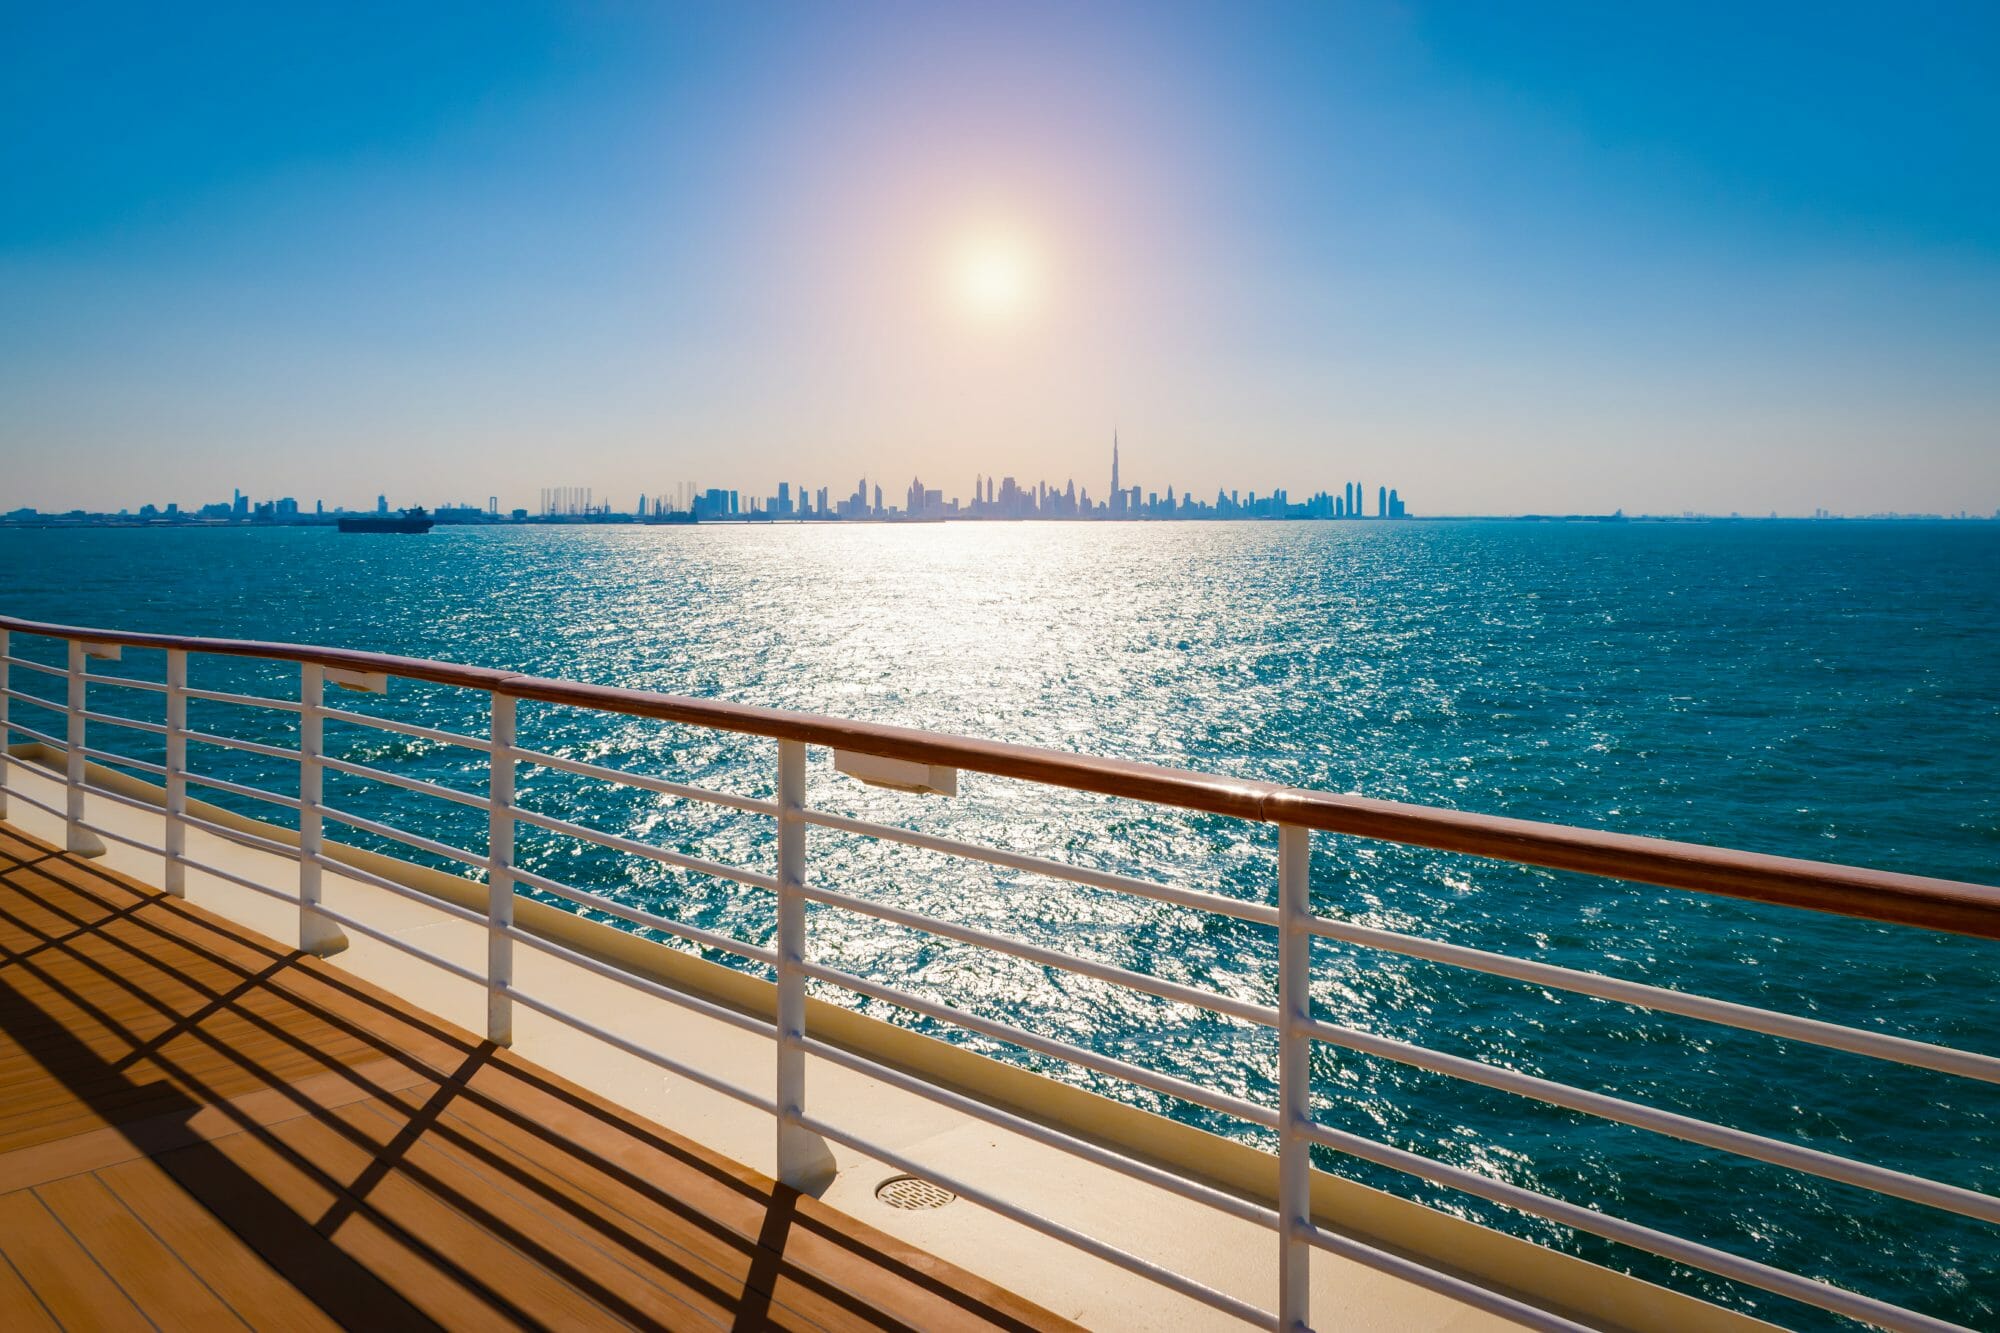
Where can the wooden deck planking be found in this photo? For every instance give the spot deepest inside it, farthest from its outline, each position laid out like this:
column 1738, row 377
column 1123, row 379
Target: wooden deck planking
column 231, row 1269
column 201, row 1128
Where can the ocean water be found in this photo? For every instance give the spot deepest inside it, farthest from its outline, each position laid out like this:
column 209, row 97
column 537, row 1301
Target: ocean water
column 1829, row 691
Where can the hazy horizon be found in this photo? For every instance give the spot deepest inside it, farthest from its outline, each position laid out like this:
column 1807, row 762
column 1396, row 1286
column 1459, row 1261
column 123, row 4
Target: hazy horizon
column 1556, row 260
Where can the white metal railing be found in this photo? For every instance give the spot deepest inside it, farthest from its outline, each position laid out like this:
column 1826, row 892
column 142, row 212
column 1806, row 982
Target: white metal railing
column 799, row 1131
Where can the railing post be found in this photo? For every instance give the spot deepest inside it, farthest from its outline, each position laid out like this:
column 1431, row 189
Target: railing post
column 1294, row 1083
column 6, row 736
column 79, row 840
column 499, row 874
column 174, row 874
column 317, row 935
column 804, row 1161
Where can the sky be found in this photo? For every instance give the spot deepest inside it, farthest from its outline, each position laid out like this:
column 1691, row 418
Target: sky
column 1519, row 258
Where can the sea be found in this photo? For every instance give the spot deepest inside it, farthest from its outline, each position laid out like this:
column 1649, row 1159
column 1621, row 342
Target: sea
column 1827, row 690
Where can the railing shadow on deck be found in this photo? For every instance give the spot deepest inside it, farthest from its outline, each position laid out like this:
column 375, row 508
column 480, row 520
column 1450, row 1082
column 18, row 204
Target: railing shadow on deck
column 96, row 912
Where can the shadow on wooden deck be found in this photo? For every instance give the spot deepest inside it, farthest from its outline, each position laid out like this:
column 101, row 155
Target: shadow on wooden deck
column 201, row 1127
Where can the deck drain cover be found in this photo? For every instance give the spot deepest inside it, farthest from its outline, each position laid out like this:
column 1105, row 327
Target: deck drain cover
column 913, row 1193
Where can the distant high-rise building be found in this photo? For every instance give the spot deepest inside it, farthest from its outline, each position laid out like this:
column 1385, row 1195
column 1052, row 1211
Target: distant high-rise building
column 381, row 504
column 1117, row 495
column 1382, row 502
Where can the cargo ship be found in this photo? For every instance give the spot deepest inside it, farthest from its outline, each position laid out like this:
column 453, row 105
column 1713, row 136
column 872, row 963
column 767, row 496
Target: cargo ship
column 410, row 520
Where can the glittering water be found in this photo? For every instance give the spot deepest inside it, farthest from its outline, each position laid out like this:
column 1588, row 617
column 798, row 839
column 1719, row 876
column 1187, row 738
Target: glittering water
column 1829, row 691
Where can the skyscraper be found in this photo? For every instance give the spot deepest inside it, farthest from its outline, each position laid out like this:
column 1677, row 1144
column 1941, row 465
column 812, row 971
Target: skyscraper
column 1117, row 495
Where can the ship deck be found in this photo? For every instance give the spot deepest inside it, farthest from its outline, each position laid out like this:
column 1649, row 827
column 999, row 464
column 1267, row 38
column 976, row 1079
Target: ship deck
column 202, row 1127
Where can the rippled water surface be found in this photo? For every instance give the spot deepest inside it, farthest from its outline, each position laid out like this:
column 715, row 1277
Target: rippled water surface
column 1828, row 691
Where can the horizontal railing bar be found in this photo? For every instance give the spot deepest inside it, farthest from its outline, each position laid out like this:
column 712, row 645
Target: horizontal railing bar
column 645, row 985
column 129, row 683
column 640, row 917
column 417, row 840
column 343, row 659
column 248, row 747
column 289, row 851
column 1124, row 1070
column 116, row 836
column 406, row 729
column 1260, row 913
column 401, row 890
column 633, row 1048
column 21, row 696
column 120, row 798
column 131, row 723
column 1736, row 1268
column 42, row 667
column 1261, row 1015
column 1183, row 1186
column 460, row 971
column 1742, row 1143
column 240, row 789
column 41, row 736
column 240, row 881
column 645, row 849
column 1878, row 1045
column 1445, row 1284
column 243, row 700
column 16, row 794
column 646, row 782
column 417, row 785
column 1013, row 1212
column 1821, row 886
column 121, row 761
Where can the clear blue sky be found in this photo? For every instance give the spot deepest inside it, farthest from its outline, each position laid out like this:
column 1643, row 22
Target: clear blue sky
column 1505, row 257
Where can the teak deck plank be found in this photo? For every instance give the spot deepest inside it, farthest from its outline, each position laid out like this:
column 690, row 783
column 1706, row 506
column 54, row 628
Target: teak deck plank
column 70, row 1284
column 235, row 1272
column 267, row 1219
column 202, row 1128
column 20, row 1308
column 636, row 1293
column 708, row 1269
column 149, row 1273
column 463, row 1235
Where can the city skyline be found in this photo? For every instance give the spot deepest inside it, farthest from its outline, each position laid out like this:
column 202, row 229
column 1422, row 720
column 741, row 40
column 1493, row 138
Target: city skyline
column 992, row 496
column 1556, row 260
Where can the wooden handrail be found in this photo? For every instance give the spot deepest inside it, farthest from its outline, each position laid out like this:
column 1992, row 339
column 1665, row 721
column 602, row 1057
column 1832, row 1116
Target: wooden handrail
column 1876, row 895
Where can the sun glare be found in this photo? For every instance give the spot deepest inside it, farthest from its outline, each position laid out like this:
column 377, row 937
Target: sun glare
column 994, row 278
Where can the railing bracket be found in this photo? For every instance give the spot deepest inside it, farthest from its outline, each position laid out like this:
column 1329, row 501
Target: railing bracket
column 897, row 774
column 361, row 682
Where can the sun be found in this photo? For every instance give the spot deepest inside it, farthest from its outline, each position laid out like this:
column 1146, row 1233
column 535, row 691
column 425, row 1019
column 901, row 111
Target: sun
column 993, row 277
